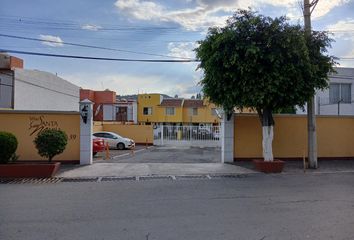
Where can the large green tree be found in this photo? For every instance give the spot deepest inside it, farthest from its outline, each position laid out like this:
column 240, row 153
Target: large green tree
column 263, row 63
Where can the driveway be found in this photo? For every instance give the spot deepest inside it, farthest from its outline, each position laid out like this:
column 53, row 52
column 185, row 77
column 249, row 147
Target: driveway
column 169, row 154
column 156, row 161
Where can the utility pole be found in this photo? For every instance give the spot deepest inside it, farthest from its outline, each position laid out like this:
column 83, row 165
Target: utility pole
column 311, row 117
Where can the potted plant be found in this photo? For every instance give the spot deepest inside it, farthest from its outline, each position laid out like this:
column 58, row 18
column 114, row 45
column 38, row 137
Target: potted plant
column 263, row 64
column 49, row 143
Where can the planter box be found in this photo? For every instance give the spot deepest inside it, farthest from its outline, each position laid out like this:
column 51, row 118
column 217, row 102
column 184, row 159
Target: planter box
column 29, row 170
column 269, row 167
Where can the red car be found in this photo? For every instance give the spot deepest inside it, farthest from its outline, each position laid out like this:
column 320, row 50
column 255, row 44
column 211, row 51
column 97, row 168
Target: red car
column 97, row 145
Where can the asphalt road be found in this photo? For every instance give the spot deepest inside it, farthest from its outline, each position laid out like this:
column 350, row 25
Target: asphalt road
column 294, row 206
column 169, row 154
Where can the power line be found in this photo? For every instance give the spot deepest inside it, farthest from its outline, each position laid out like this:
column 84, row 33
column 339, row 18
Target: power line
column 89, row 46
column 114, row 59
column 98, row 58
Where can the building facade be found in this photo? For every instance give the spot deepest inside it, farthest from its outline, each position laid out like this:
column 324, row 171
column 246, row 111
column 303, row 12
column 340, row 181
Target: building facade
column 157, row 110
column 337, row 99
column 107, row 107
column 23, row 89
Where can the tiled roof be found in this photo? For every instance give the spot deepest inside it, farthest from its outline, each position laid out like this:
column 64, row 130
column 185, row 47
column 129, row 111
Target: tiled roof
column 193, row 103
column 172, row 102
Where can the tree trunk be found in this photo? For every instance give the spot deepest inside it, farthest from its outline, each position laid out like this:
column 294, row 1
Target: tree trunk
column 266, row 118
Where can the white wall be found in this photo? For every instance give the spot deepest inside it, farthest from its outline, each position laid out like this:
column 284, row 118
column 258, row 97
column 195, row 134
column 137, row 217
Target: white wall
column 322, row 106
column 135, row 112
column 109, row 112
column 38, row 90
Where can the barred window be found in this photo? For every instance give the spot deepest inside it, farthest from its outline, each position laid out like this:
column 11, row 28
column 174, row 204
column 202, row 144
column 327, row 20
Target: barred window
column 340, row 92
column 147, row 110
column 170, row 111
column 193, row 111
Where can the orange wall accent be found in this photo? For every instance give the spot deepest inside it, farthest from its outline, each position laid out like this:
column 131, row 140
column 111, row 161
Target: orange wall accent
column 334, row 136
column 23, row 125
column 16, row 62
column 105, row 97
column 87, row 94
column 98, row 97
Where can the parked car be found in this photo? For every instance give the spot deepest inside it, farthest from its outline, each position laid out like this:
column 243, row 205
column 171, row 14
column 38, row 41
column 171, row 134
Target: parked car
column 115, row 141
column 97, row 145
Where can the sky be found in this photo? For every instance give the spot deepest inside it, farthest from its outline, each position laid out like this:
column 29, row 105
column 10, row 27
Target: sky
column 139, row 29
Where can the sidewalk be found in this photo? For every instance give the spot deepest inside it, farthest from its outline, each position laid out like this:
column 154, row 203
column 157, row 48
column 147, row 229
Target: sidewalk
column 150, row 169
column 295, row 167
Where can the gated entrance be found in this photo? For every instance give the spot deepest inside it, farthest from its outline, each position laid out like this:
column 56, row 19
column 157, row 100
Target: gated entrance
column 199, row 136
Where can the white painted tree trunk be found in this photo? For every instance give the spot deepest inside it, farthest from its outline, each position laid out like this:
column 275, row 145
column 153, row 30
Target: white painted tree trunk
column 267, row 143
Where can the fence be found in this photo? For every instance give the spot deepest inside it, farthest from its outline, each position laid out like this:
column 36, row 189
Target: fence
column 208, row 136
column 340, row 107
column 334, row 136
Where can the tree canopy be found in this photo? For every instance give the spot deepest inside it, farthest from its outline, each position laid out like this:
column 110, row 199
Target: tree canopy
column 262, row 63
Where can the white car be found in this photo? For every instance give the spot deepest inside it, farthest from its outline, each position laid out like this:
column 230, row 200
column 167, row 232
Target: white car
column 115, row 141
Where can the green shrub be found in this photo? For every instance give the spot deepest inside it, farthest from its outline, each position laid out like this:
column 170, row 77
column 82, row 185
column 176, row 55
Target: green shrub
column 51, row 142
column 8, row 146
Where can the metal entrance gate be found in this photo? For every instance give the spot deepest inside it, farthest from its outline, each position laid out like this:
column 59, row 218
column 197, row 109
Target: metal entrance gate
column 201, row 136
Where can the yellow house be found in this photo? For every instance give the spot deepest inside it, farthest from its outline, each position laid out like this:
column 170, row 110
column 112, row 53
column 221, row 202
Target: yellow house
column 196, row 111
column 153, row 108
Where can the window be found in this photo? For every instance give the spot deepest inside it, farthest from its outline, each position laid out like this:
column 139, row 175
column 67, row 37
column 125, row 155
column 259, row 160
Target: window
column 170, row 111
column 213, row 111
column 147, row 111
column 193, row 111
column 340, row 92
column 6, row 90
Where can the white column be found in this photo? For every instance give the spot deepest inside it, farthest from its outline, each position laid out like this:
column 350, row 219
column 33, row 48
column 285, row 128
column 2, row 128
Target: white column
column 86, row 125
column 161, row 134
column 227, row 139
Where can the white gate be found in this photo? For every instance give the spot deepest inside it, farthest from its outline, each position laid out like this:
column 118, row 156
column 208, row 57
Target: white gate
column 201, row 136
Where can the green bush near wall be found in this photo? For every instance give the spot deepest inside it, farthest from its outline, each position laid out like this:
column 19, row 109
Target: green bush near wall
column 8, row 147
column 51, row 142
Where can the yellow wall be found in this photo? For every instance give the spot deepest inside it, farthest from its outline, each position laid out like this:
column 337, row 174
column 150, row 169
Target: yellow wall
column 204, row 115
column 26, row 125
column 334, row 136
column 149, row 100
column 139, row 133
column 97, row 126
column 177, row 118
column 181, row 114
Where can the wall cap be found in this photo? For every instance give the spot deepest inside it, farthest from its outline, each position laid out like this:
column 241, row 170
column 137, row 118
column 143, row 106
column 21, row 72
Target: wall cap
column 38, row 112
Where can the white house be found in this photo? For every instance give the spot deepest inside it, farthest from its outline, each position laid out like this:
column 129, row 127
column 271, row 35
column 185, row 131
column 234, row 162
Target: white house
column 23, row 89
column 338, row 98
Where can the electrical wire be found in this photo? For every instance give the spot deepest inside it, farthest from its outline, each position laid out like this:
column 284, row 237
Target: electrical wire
column 89, row 46
column 98, row 58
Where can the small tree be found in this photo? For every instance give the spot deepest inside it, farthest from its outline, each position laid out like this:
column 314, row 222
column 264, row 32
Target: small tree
column 50, row 142
column 8, row 146
column 264, row 64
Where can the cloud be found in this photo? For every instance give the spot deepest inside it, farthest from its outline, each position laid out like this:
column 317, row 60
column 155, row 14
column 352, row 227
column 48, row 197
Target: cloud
column 344, row 35
column 191, row 18
column 324, row 7
column 53, row 41
column 91, row 27
column 182, row 50
column 124, row 84
column 207, row 13
column 343, row 29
